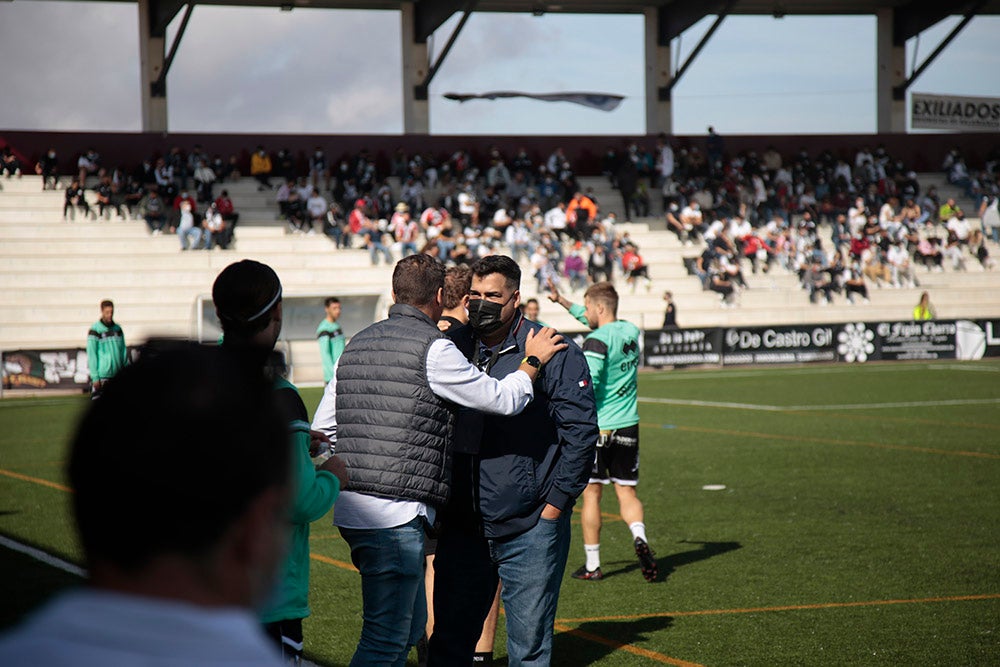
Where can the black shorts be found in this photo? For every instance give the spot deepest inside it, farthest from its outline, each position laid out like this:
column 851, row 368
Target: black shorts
column 617, row 457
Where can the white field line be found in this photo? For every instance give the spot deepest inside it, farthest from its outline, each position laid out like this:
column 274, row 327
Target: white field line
column 42, row 557
column 842, row 406
column 28, row 403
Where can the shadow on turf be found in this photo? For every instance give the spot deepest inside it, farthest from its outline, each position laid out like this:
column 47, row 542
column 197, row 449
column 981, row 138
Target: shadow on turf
column 667, row 564
column 593, row 641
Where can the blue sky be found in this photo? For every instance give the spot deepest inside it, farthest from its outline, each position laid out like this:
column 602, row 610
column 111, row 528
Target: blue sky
column 74, row 66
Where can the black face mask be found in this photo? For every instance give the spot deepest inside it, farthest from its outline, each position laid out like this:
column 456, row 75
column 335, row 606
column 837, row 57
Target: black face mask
column 485, row 316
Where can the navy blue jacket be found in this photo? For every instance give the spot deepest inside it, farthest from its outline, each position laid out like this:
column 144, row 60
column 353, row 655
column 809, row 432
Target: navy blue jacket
column 507, row 468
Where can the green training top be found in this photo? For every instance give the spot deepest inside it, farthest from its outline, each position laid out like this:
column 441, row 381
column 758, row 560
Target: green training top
column 331, row 345
column 106, row 351
column 612, row 353
column 315, row 493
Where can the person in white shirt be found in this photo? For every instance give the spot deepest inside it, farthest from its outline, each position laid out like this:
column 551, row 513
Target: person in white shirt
column 959, row 226
column 691, row 217
column 393, row 578
column 857, row 216
column 900, row 265
column 191, row 235
column 316, row 208
column 175, row 572
column 665, row 159
column 555, row 220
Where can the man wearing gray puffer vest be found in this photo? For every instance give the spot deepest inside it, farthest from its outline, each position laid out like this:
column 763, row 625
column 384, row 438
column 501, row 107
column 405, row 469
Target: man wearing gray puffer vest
column 390, row 407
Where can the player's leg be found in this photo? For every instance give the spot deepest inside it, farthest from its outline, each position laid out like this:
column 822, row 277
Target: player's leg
column 590, row 520
column 590, row 516
column 623, row 468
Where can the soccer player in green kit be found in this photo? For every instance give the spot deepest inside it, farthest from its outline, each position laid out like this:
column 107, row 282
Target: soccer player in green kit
column 331, row 337
column 612, row 352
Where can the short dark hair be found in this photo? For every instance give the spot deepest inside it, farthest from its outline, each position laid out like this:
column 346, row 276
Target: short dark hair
column 501, row 264
column 605, row 293
column 457, row 282
column 329, row 300
column 106, row 303
column 217, row 442
column 417, row 279
column 244, row 293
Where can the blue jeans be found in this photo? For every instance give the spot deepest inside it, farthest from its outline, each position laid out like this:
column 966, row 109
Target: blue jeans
column 375, row 248
column 467, row 567
column 192, row 237
column 391, row 562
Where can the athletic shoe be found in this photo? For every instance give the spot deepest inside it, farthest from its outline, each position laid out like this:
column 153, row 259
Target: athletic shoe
column 646, row 560
column 588, row 575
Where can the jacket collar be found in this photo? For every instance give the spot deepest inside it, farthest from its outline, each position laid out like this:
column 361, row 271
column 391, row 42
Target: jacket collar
column 406, row 310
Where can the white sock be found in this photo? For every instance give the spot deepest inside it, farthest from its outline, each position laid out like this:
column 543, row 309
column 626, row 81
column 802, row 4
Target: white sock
column 593, row 552
column 638, row 530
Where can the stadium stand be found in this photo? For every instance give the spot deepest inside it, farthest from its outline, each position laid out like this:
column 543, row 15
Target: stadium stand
column 54, row 271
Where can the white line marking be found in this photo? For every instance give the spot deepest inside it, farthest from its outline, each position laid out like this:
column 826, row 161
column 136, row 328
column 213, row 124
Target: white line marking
column 712, row 404
column 843, row 406
column 43, row 557
column 30, row 403
column 676, row 376
column 906, row 404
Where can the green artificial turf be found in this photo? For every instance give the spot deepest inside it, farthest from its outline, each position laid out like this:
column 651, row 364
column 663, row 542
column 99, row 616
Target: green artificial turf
column 859, row 524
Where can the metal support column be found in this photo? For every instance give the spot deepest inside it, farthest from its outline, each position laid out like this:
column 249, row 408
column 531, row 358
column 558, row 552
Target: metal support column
column 416, row 111
column 151, row 61
column 890, row 73
column 659, row 111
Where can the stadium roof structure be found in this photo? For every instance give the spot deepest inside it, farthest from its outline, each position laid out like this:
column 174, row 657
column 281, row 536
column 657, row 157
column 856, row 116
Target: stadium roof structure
column 897, row 21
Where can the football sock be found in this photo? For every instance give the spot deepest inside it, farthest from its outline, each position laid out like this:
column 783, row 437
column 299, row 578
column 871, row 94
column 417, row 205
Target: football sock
column 593, row 552
column 485, row 658
column 638, row 530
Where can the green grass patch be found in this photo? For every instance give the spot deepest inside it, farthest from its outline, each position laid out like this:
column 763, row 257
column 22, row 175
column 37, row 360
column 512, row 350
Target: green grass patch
column 859, row 523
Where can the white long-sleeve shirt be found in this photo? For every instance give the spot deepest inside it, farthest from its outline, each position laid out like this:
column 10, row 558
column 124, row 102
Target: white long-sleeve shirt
column 450, row 376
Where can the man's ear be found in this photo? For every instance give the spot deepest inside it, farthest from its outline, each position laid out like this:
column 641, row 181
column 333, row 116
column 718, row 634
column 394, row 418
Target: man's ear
column 439, row 297
column 393, row 292
column 465, row 301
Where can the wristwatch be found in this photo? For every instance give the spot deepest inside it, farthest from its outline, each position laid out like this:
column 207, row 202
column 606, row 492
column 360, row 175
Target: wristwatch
column 532, row 361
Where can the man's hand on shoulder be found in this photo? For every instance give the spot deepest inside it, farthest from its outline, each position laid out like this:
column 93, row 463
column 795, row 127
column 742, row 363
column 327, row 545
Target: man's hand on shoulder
column 543, row 344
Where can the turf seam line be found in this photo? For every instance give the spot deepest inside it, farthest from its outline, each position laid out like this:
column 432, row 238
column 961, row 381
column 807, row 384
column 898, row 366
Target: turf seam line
column 35, row 480
column 43, row 557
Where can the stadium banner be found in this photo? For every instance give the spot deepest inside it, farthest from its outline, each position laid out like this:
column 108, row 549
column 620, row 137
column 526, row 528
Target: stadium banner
column 795, row 344
column 45, row 369
column 851, row 342
column 954, row 112
column 683, row 347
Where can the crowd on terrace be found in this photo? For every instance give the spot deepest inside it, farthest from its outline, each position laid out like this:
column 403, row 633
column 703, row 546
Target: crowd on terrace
column 840, row 222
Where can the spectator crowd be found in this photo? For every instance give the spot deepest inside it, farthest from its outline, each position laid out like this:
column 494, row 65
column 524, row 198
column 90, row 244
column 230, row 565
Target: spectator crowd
column 839, row 223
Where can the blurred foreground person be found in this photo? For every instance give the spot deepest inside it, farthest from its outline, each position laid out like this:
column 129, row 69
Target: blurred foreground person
column 181, row 537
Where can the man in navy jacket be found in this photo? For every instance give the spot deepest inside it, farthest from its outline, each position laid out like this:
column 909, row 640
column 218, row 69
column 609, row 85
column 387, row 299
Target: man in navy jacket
column 514, row 483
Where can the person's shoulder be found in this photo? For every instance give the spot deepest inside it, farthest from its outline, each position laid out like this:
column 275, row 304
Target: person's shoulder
column 289, row 401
